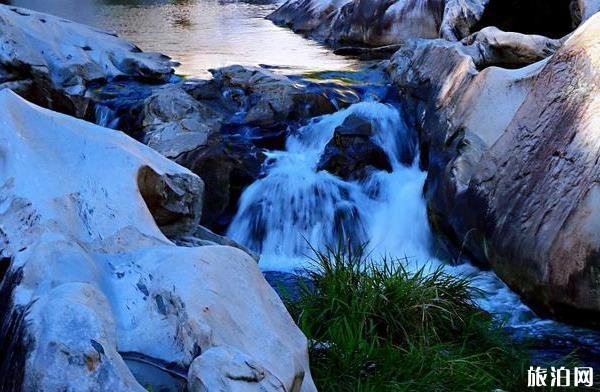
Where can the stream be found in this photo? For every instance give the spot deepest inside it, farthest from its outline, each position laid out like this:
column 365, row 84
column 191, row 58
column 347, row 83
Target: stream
column 294, row 203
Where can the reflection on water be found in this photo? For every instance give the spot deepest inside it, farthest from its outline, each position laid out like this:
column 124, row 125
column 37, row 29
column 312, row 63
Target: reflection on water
column 200, row 34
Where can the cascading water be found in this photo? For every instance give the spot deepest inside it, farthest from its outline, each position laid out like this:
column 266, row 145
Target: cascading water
column 295, row 205
column 106, row 117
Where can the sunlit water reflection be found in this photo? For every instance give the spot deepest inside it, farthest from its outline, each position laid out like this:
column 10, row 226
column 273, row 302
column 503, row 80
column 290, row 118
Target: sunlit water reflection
column 200, row 34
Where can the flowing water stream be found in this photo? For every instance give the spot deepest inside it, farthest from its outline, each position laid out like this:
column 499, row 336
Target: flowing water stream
column 295, row 203
column 295, row 206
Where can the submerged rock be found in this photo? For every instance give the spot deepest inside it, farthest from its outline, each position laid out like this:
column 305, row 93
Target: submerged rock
column 510, row 158
column 92, row 279
column 54, row 60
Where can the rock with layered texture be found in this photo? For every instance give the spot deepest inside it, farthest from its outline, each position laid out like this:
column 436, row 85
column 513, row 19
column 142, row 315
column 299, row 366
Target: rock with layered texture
column 93, row 280
column 351, row 153
column 383, row 24
column 61, row 58
column 263, row 98
column 510, row 157
column 537, row 186
column 379, row 23
column 459, row 112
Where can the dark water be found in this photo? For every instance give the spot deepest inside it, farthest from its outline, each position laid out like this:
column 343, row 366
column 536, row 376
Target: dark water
column 200, row 34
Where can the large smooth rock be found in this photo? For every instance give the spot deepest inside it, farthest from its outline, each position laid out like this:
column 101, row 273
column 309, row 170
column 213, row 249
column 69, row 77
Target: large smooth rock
column 60, row 58
column 361, row 22
column 537, row 186
column 92, row 279
column 379, row 23
column 511, row 159
column 385, row 23
column 459, row 112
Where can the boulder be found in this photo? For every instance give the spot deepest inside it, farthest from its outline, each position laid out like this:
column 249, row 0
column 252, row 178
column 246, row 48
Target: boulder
column 352, row 153
column 361, row 22
column 506, row 49
column 510, row 159
column 92, row 280
column 537, row 189
column 459, row 112
column 385, row 23
column 61, row 58
column 263, row 98
column 217, row 128
column 228, row 165
column 173, row 122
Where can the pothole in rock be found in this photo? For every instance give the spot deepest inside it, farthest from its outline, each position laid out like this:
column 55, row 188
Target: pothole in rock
column 551, row 18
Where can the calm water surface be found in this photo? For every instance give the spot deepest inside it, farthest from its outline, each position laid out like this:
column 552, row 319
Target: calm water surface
column 200, row 34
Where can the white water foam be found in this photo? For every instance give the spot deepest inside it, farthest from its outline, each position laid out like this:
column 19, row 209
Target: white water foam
column 295, row 205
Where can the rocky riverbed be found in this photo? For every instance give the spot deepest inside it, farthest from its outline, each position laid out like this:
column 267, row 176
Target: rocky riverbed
column 129, row 255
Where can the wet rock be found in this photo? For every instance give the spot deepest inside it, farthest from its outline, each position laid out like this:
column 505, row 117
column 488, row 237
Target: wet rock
column 351, row 153
column 263, row 98
column 94, row 277
column 61, row 58
column 203, row 126
column 228, row 165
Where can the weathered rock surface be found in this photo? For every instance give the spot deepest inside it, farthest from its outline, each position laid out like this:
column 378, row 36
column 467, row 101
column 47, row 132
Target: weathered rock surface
column 265, row 98
column 510, row 158
column 459, row 113
column 497, row 47
column 381, row 23
column 54, row 60
column 92, row 279
column 351, row 153
column 537, row 186
column 198, row 125
column 361, row 22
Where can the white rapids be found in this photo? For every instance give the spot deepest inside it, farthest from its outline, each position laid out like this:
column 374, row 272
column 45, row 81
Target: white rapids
column 295, row 205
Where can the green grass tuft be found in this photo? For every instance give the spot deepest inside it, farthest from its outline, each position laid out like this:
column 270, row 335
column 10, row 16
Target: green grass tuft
column 375, row 326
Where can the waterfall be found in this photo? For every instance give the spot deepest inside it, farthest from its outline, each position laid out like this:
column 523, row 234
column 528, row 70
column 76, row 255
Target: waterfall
column 295, row 205
column 106, row 117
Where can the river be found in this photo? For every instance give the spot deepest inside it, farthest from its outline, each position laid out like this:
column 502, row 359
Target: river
column 200, row 34
column 294, row 201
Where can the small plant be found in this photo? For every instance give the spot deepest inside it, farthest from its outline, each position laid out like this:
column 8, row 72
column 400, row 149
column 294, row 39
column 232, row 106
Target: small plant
column 376, row 326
